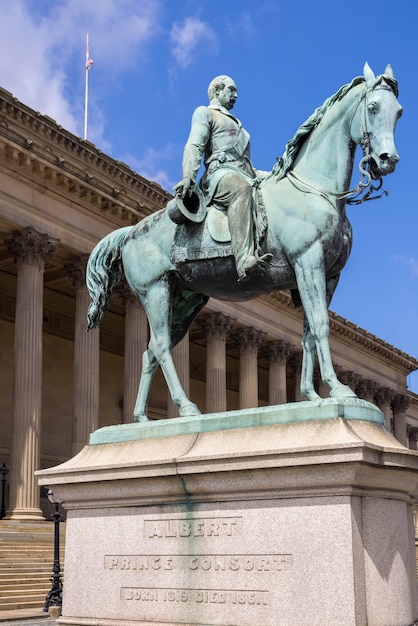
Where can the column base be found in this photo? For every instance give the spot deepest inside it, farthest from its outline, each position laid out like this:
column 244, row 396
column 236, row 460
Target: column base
column 21, row 514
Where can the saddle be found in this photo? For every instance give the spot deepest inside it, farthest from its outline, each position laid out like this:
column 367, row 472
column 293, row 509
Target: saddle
column 210, row 237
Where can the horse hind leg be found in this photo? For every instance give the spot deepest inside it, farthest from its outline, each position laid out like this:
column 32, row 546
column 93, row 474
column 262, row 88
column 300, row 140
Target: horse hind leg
column 157, row 304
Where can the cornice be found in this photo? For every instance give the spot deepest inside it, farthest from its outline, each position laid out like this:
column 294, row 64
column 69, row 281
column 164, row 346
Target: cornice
column 372, row 343
column 343, row 328
column 42, row 152
column 413, row 398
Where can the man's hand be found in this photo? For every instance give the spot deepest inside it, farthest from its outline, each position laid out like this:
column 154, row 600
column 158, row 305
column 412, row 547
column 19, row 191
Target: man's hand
column 184, row 187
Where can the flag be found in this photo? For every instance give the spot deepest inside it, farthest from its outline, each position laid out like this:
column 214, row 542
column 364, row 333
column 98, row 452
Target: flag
column 89, row 61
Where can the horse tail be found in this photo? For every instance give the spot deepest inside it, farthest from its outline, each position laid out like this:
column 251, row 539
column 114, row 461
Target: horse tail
column 104, row 271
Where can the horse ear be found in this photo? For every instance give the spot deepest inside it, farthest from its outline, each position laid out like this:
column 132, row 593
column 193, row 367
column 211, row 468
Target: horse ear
column 368, row 74
column 389, row 71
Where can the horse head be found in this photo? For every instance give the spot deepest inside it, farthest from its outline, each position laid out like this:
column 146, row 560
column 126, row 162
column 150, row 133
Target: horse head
column 374, row 119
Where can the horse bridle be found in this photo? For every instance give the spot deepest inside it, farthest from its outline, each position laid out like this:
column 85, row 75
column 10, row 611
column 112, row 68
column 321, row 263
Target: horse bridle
column 364, row 142
column 365, row 146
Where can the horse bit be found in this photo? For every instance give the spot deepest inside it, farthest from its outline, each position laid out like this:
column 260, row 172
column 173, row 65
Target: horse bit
column 365, row 160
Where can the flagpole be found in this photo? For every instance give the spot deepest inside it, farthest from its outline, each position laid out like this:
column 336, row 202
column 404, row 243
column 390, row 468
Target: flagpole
column 86, row 102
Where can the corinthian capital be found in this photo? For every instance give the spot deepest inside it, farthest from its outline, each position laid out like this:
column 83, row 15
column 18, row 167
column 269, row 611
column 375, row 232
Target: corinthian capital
column 250, row 339
column 76, row 270
column 400, row 403
column 384, row 396
column 216, row 325
column 29, row 247
column 278, row 351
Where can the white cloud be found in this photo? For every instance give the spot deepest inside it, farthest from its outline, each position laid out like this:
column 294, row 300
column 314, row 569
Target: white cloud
column 410, row 261
column 189, row 37
column 413, row 264
column 149, row 164
column 118, row 28
column 241, row 26
column 44, row 51
column 27, row 69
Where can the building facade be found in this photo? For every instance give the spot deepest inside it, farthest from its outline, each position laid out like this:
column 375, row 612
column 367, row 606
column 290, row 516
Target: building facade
column 59, row 196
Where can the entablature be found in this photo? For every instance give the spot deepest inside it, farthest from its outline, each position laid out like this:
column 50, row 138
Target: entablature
column 38, row 150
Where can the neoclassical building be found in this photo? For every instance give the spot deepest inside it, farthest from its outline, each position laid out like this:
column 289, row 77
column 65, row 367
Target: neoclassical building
column 59, row 195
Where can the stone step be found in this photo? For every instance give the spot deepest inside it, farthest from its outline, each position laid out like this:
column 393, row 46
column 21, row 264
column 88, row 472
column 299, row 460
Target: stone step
column 22, row 571
column 15, row 590
column 22, row 552
column 10, row 549
column 34, row 546
column 28, row 602
column 26, row 563
column 25, row 574
column 13, row 593
column 19, row 577
column 8, row 564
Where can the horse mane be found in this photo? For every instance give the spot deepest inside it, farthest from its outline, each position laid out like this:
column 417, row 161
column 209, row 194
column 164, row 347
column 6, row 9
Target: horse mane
column 285, row 163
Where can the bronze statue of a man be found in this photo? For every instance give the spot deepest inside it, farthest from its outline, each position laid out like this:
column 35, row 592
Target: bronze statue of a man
column 217, row 136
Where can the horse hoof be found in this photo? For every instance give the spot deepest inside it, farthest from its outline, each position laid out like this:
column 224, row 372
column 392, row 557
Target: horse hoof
column 141, row 418
column 189, row 409
column 342, row 391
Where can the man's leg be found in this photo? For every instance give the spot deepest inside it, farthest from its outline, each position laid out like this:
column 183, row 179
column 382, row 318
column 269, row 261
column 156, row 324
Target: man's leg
column 235, row 194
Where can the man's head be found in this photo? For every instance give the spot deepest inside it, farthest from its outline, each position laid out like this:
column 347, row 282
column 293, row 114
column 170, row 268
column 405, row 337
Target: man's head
column 222, row 90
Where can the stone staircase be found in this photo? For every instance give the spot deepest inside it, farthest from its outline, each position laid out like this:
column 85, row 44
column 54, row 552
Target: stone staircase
column 26, row 561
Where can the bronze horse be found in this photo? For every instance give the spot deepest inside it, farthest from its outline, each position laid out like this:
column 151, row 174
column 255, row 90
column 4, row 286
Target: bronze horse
column 307, row 233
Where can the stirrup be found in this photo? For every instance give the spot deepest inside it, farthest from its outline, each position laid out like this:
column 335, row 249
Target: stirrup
column 255, row 262
column 264, row 260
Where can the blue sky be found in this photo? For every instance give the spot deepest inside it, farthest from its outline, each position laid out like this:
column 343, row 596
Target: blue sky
column 153, row 60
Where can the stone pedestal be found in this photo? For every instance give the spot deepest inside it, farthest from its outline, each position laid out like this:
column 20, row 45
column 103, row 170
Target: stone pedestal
column 292, row 515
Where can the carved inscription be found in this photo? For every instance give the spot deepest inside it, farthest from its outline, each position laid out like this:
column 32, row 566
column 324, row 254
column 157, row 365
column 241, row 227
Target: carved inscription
column 202, row 527
column 200, row 563
column 138, row 562
column 198, row 596
column 176, row 551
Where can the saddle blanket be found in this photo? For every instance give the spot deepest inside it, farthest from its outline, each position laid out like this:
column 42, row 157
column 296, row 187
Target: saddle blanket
column 208, row 240
column 211, row 238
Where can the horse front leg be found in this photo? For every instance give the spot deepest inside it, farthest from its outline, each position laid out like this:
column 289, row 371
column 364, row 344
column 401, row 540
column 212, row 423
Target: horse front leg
column 149, row 366
column 311, row 281
column 307, row 389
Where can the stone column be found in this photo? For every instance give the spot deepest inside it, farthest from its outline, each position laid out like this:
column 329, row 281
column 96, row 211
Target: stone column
column 400, row 405
column 348, row 377
column 217, row 326
column 136, row 342
column 86, row 360
column 250, row 340
column 415, row 518
column 384, row 397
column 366, row 389
column 277, row 353
column 30, row 249
column 412, row 437
column 295, row 362
column 181, row 358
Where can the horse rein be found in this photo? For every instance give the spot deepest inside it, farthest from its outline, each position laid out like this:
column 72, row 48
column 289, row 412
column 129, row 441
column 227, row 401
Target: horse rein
column 365, row 146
